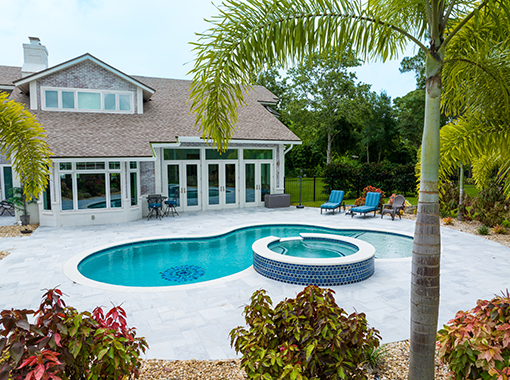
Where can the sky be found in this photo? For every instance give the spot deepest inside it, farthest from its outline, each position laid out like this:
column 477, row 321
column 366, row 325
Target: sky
column 149, row 38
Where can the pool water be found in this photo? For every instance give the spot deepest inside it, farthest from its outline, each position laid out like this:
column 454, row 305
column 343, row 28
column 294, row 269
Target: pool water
column 319, row 249
column 168, row 262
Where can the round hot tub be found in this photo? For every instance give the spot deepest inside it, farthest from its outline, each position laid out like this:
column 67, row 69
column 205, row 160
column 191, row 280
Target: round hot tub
column 314, row 259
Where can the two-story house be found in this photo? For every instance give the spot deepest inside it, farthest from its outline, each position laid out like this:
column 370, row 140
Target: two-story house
column 116, row 138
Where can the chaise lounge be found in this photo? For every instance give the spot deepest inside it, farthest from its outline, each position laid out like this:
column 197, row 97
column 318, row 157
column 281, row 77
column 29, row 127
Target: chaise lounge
column 335, row 201
column 371, row 204
column 394, row 208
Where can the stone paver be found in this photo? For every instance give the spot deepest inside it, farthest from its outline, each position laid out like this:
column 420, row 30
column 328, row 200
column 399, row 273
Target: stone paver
column 195, row 322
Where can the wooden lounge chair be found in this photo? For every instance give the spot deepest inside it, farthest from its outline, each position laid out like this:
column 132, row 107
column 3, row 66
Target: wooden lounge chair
column 394, row 208
column 335, row 201
column 5, row 205
column 371, row 204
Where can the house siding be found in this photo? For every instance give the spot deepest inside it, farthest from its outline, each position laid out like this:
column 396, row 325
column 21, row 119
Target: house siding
column 87, row 75
column 147, row 178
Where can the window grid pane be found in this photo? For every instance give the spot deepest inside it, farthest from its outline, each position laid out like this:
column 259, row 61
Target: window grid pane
column 125, row 102
column 109, row 102
column 134, row 189
column 114, row 165
column 51, row 99
column 67, row 100
column 91, row 191
column 89, row 100
column 66, row 166
column 115, row 193
column 90, row 166
column 66, row 191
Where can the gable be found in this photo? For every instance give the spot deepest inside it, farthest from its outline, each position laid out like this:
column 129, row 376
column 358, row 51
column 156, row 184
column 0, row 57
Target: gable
column 86, row 75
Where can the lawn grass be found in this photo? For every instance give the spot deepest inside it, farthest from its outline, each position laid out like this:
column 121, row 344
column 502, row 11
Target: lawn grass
column 350, row 202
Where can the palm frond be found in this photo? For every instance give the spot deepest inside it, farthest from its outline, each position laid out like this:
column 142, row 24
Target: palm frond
column 22, row 141
column 249, row 34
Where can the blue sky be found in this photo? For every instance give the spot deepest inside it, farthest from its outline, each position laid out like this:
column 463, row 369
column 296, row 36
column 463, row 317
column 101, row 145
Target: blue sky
column 148, row 38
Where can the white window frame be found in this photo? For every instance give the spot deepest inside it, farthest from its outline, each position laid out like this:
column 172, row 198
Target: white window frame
column 76, row 109
column 74, row 172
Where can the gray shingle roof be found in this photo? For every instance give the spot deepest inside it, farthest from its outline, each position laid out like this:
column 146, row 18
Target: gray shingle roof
column 166, row 117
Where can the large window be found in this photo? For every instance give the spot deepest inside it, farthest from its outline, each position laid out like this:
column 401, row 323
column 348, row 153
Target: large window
column 90, row 185
column 258, row 154
column 87, row 100
column 181, row 154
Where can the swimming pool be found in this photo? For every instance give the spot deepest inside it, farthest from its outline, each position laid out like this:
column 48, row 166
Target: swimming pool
column 178, row 261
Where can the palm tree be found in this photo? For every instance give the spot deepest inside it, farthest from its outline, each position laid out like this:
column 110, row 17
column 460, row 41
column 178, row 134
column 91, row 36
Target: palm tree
column 251, row 33
column 22, row 141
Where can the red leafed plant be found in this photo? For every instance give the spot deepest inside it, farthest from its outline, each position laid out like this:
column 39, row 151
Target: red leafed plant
column 64, row 344
column 476, row 344
column 369, row 189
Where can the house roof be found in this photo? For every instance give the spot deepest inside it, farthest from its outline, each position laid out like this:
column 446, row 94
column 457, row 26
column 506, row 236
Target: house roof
column 165, row 118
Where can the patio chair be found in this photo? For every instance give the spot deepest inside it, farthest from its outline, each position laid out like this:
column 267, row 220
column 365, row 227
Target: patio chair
column 394, row 208
column 335, row 201
column 371, row 204
column 5, row 205
column 154, row 202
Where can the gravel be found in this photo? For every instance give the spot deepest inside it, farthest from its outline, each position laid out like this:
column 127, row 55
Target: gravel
column 393, row 367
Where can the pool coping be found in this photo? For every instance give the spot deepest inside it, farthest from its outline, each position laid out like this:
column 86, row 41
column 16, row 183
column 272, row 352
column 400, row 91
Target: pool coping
column 70, row 267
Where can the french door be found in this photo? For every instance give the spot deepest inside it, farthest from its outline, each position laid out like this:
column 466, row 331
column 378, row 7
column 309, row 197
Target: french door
column 258, row 182
column 183, row 184
column 222, row 185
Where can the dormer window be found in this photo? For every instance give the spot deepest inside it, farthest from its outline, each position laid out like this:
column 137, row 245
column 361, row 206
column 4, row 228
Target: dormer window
column 84, row 100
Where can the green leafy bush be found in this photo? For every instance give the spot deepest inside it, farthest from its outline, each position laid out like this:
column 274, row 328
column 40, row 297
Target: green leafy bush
column 64, row 344
column 490, row 207
column 309, row 337
column 483, row 230
column 353, row 177
column 476, row 344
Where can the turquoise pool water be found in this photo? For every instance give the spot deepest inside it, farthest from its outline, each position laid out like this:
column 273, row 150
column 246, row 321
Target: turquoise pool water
column 319, row 249
column 168, row 262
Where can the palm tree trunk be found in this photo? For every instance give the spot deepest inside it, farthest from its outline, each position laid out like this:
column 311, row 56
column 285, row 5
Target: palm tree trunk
column 426, row 245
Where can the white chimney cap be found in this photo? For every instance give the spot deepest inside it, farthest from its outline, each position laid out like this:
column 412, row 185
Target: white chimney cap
column 34, row 40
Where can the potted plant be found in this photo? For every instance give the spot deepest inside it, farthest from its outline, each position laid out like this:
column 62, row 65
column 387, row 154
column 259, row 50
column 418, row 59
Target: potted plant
column 19, row 200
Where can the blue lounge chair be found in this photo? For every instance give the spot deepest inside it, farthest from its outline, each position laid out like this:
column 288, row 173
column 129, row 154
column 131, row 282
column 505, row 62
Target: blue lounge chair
column 335, row 201
column 371, row 204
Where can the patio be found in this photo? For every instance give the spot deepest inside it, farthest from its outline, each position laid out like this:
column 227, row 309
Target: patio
column 194, row 322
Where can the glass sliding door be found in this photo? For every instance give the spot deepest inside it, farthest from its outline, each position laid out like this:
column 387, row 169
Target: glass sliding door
column 214, row 184
column 250, row 183
column 265, row 180
column 230, row 184
column 173, row 183
column 191, row 190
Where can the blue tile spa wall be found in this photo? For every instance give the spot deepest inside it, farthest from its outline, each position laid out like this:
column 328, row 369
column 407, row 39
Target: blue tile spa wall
column 320, row 275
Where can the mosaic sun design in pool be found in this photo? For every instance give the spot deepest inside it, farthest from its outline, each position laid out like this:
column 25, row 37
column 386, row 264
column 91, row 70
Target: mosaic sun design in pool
column 183, row 273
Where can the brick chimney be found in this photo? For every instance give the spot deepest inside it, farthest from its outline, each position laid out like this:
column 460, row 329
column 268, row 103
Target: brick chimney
column 35, row 57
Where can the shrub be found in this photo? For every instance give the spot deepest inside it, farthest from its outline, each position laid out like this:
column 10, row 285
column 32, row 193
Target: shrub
column 483, row 230
column 65, row 344
column 490, row 206
column 369, row 189
column 476, row 344
column 308, row 337
column 375, row 358
column 499, row 229
column 505, row 223
column 448, row 221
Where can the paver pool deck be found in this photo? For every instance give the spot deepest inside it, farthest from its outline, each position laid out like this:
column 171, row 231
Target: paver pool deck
column 194, row 322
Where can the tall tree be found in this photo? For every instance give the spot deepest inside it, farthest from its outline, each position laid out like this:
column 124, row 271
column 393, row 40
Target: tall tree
column 248, row 34
column 22, row 141
column 321, row 95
